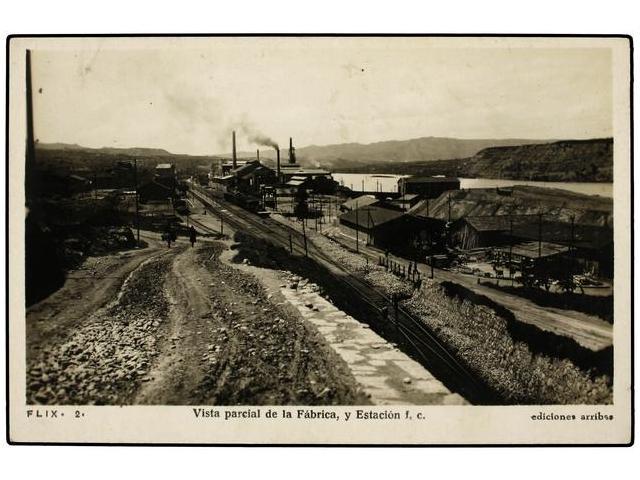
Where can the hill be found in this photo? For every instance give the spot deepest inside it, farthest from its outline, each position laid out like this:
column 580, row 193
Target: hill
column 567, row 161
column 134, row 151
column 515, row 159
column 65, row 158
column 344, row 156
column 400, row 151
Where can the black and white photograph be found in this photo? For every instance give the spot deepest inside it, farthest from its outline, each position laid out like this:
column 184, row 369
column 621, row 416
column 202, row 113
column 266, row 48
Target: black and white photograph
column 340, row 229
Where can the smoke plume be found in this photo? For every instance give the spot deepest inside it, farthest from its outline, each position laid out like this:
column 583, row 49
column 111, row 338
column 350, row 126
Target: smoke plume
column 257, row 137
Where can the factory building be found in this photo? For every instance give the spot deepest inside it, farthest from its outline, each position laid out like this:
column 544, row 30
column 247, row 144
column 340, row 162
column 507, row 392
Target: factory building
column 163, row 185
column 427, row 187
column 293, row 169
column 165, row 173
column 250, row 177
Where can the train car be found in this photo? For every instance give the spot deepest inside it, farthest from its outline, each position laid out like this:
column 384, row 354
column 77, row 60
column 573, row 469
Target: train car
column 247, row 202
column 181, row 206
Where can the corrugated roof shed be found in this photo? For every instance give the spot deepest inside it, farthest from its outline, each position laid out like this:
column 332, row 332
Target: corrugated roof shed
column 361, row 201
column 533, row 250
column 523, row 200
column 370, row 217
column 529, row 227
column 583, row 236
column 499, row 223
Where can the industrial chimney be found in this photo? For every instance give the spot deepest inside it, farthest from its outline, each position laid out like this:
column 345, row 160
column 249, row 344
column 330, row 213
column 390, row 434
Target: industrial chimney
column 258, row 154
column 278, row 163
column 234, row 159
column 292, row 152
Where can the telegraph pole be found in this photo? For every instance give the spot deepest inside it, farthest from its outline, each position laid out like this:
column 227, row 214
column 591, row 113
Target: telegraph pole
column 539, row 235
column 572, row 247
column 510, row 248
column 304, row 234
column 357, row 241
column 315, row 208
column 135, row 181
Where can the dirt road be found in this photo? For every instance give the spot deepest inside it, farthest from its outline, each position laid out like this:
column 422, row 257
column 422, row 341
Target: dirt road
column 182, row 328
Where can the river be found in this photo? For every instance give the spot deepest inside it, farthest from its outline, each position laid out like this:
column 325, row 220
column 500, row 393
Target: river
column 389, row 183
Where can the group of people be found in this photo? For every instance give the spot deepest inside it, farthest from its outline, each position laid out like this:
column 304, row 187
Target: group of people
column 170, row 235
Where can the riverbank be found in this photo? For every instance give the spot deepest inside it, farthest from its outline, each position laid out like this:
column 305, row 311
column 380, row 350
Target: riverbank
column 388, row 182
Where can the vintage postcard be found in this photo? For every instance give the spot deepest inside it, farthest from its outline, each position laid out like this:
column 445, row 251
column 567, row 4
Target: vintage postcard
column 335, row 240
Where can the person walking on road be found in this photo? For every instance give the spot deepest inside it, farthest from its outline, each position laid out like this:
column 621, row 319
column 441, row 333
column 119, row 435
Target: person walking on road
column 192, row 235
column 169, row 235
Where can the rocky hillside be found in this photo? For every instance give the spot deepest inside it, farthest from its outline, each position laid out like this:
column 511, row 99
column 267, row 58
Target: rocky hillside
column 556, row 204
column 567, row 161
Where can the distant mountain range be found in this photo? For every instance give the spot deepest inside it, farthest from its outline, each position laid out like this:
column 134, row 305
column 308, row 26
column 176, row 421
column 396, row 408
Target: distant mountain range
column 358, row 155
column 134, row 151
column 337, row 156
column 516, row 159
column 401, row 151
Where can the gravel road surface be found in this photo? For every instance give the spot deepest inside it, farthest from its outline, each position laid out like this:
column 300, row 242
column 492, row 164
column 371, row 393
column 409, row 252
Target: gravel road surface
column 176, row 327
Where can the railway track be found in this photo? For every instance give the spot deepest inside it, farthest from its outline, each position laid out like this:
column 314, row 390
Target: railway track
column 415, row 336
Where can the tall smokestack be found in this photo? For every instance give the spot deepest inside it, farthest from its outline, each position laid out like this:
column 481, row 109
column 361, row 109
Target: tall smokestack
column 278, row 163
column 233, row 137
column 292, row 152
column 258, row 154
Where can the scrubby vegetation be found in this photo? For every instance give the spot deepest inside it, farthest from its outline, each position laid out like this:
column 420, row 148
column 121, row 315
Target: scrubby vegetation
column 481, row 338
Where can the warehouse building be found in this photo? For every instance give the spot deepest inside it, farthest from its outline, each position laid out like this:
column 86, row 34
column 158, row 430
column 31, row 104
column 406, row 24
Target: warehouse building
column 251, row 176
column 382, row 227
column 406, row 201
column 538, row 236
column 427, row 187
column 358, row 202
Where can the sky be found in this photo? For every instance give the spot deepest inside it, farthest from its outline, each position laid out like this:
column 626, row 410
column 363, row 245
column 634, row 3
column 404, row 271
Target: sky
column 188, row 96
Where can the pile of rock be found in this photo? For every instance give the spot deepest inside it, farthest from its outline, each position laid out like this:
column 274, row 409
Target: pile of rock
column 104, row 360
